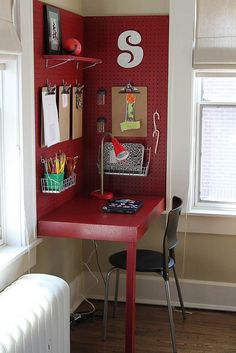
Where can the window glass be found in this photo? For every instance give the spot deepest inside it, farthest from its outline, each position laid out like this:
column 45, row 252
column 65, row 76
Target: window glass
column 218, row 154
column 215, row 177
column 222, row 89
column 17, row 155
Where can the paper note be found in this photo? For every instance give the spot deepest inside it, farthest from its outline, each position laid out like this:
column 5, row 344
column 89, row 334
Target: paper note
column 129, row 125
column 50, row 119
column 64, row 100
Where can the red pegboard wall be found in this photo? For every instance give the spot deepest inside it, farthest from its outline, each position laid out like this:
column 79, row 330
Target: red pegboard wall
column 72, row 26
column 101, row 34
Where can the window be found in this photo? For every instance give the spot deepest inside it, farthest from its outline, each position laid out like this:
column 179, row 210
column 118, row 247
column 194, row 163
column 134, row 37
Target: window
column 17, row 144
column 182, row 177
column 215, row 150
column 11, row 156
column 1, row 238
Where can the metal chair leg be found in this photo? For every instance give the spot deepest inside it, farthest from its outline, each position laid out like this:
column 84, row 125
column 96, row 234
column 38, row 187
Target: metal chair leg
column 105, row 307
column 172, row 326
column 179, row 294
column 116, row 291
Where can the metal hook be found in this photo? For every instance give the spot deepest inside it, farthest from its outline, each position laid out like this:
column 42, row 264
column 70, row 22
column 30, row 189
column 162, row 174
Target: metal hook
column 66, row 89
column 156, row 132
column 50, row 89
column 79, row 95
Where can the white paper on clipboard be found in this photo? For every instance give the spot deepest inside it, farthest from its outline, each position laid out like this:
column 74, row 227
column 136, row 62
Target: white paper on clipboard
column 50, row 119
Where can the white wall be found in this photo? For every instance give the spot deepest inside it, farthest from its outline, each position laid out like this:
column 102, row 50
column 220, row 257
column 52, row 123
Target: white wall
column 69, row 5
column 124, row 7
column 180, row 97
column 112, row 7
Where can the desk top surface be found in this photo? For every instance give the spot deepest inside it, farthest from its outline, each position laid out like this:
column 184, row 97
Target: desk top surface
column 82, row 217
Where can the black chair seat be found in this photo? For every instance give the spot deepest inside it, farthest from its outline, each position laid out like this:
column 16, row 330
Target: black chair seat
column 146, row 260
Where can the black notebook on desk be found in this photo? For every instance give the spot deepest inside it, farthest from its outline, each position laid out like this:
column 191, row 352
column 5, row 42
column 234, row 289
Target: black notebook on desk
column 122, row 206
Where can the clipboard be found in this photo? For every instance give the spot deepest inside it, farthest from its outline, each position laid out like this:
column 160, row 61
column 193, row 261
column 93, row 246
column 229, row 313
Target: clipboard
column 49, row 117
column 119, row 111
column 64, row 112
column 77, row 112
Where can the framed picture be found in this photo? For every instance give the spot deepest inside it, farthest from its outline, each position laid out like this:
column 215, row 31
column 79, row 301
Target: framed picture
column 52, row 26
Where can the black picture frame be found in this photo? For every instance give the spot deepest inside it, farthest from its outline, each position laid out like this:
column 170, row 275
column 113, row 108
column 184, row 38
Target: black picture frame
column 52, row 30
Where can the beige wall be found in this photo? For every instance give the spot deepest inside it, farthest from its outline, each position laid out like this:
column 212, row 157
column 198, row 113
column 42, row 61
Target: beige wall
column 70, row 5
column 124, row 7
column 60, row 257
column 206, row 257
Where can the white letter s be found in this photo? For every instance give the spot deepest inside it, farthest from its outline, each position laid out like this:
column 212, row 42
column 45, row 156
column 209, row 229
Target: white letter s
column 133, row 55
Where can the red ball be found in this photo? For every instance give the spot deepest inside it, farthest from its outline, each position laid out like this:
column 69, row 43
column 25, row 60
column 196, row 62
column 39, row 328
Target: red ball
column 72, row 46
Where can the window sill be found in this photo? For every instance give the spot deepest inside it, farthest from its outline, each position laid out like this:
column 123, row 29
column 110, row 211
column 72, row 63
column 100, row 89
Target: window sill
column 15, row 261
column 212, row 212
column 208, row 222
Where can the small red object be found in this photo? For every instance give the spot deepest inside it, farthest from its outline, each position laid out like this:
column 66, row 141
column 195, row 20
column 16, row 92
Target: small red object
column 72, row 46
column 106, row 195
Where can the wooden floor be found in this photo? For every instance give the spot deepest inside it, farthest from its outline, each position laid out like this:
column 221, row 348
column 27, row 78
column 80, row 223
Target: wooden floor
column 202, row 332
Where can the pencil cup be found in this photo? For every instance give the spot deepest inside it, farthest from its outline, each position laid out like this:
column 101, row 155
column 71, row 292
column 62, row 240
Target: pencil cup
column 54, row 182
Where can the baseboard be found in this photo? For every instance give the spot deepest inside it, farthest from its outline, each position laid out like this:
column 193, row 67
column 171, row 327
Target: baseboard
column 150, row 290
column 76, row 292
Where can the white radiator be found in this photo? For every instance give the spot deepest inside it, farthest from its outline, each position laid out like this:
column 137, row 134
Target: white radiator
column 35, row 315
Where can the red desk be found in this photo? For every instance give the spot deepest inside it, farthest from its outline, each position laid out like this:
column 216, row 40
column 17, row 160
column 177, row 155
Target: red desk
column 82, row 218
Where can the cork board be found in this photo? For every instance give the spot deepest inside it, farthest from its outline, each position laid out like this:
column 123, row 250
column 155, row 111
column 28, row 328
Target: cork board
column 77, row 115
column 139, row 129
column 64, row 114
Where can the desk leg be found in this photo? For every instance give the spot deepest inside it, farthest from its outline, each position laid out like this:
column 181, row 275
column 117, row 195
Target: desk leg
column 130, row 298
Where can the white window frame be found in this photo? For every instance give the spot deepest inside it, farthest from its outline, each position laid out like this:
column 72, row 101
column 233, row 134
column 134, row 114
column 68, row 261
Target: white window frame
column 196, row 202
column 19, row 253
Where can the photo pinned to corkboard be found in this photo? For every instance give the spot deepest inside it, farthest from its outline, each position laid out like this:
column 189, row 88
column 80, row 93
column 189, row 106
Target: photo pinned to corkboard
column 129, row 111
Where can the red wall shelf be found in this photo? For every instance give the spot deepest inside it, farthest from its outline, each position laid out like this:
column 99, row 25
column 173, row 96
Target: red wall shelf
column 68, row 58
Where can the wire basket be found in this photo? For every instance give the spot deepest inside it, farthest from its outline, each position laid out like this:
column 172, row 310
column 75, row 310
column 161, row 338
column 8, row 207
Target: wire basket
column 55, row 183
column 141, row 169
